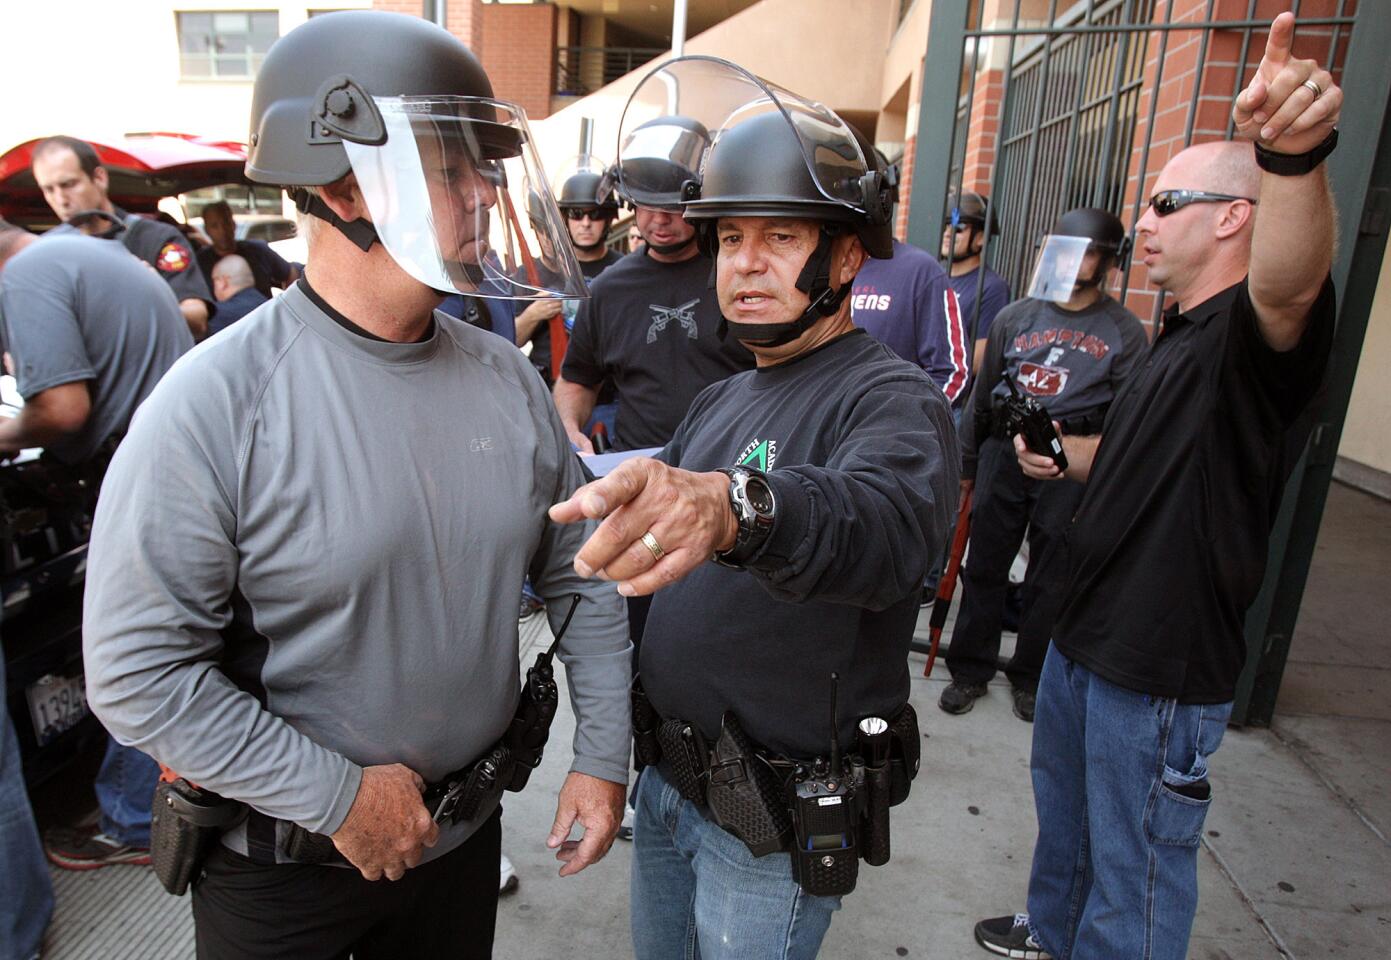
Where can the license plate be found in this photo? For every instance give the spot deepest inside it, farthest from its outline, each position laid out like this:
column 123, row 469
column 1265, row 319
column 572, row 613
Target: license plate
column 56, row 704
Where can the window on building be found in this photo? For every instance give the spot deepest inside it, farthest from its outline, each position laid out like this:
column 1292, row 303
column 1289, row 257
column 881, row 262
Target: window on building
column 225, row 43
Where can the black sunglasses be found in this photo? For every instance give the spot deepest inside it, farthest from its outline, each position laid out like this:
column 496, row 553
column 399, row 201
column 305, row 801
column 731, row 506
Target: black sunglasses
column 1166, row 202
column 595, row 214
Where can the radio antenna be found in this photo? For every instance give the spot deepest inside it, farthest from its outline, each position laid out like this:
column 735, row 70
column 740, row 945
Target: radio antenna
column 835, row 740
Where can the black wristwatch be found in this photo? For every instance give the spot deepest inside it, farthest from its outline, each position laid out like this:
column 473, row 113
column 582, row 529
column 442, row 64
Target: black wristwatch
column 1295, row 164
column 755, row 507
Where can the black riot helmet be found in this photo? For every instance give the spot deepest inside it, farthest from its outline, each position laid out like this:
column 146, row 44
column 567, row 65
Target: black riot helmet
column 658, row 158
column 970, row 209
column 773, row 153
column 584, row 183
column 584, row 191
column 757, row 168
column 1103, row 228
column 311, row 93
column 407, row 108
column 1058, row 271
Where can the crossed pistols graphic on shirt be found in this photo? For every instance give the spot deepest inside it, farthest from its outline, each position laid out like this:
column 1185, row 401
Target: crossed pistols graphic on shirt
column 684, row 314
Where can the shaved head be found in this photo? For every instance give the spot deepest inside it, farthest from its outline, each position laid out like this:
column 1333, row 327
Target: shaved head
column 1203, row 246
column 231, row 275
column 1224, row 166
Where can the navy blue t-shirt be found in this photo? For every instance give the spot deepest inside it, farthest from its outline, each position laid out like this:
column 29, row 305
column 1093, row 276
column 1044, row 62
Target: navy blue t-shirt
column 235, row 307
column 268, row 268
column 993, row 298
column 907, row 304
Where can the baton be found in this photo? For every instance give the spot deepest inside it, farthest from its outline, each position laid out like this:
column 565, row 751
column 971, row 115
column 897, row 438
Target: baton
column 946, row 587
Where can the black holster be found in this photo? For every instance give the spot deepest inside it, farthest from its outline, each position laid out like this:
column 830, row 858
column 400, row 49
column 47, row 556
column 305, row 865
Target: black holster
column 746, row 796
column 185, row 822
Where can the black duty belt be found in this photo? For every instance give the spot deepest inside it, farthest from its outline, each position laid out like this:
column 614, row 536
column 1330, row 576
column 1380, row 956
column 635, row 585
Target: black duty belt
column 828, row 814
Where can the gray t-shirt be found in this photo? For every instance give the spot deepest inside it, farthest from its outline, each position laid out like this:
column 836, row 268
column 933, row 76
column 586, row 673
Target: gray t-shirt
column 306, row 560
column 75, row 308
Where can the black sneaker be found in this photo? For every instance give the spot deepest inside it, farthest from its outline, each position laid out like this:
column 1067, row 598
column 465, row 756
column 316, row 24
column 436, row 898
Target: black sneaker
column 1010, row 937
column 960, row 697
column 1023, row 704
column 78, row 848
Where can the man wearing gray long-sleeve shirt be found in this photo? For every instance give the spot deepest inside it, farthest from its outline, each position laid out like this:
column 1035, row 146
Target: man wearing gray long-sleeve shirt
column 303, row 569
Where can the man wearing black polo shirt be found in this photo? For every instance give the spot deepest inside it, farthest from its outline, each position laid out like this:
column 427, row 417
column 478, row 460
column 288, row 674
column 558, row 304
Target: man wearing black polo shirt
column 1168, row 547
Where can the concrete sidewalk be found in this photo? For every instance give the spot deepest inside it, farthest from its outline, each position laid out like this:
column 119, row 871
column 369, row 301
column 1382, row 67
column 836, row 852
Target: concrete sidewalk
column 1295, row 863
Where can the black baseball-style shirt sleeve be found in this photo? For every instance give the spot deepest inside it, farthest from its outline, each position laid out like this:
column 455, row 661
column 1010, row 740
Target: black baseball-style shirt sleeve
column 1288, row 380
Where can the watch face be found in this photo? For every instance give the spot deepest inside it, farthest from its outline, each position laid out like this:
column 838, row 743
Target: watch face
column 760, row 497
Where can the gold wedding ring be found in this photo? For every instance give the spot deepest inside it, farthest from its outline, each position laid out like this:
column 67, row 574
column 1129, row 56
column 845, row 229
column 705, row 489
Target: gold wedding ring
column 653, row 547
column 1314, row 88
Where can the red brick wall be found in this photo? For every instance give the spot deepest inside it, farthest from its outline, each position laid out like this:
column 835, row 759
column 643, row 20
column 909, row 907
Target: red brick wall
column 413, row 7
column 519, row 53
column 464, row 17
column 984, row 133
column 905, row 187
column 1214, row 104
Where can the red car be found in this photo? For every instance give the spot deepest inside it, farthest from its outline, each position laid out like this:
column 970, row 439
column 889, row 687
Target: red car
column 144, row 168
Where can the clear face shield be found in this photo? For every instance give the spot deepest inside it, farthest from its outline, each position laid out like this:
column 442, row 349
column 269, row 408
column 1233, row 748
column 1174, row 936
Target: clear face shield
column 459, row 199
column 684, row 106
column 1060, row 264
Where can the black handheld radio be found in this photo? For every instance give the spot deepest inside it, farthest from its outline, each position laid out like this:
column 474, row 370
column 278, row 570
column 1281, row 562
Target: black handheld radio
column 826, row 857
column 1028, row 417
column 526, row 736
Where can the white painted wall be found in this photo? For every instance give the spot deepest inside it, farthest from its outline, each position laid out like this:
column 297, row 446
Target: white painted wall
column 103, row 68
column 1367, row 433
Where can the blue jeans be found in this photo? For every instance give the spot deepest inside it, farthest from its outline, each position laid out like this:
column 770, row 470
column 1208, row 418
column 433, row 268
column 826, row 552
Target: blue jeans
column 125, row 788
column 1121, row 792
column 698, row 894
column 26, row 894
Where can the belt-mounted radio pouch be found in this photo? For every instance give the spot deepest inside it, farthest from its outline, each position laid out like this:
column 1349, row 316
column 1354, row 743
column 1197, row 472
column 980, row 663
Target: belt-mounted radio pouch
column 825, row 819
column 685, row 758
column 745, row 795
column 185, row 822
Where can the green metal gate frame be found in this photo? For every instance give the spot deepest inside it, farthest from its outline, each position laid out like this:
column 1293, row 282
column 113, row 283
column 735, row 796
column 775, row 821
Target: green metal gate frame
column 1360, row 174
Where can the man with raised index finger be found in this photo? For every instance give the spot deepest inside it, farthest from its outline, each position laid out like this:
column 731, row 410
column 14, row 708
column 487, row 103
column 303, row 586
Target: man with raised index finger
column 1169, row 544
column 785, row 528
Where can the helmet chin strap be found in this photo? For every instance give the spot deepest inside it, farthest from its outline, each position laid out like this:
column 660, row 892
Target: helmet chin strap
column 815, row 281
column 360, row 232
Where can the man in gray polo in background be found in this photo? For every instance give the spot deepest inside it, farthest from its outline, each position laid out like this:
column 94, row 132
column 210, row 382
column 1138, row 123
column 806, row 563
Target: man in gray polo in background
column 304, row 569
column 84, row 358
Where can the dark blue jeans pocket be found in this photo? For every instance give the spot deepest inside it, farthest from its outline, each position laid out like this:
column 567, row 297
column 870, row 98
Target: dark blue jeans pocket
column 1177, row 819
column 1185, row 793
